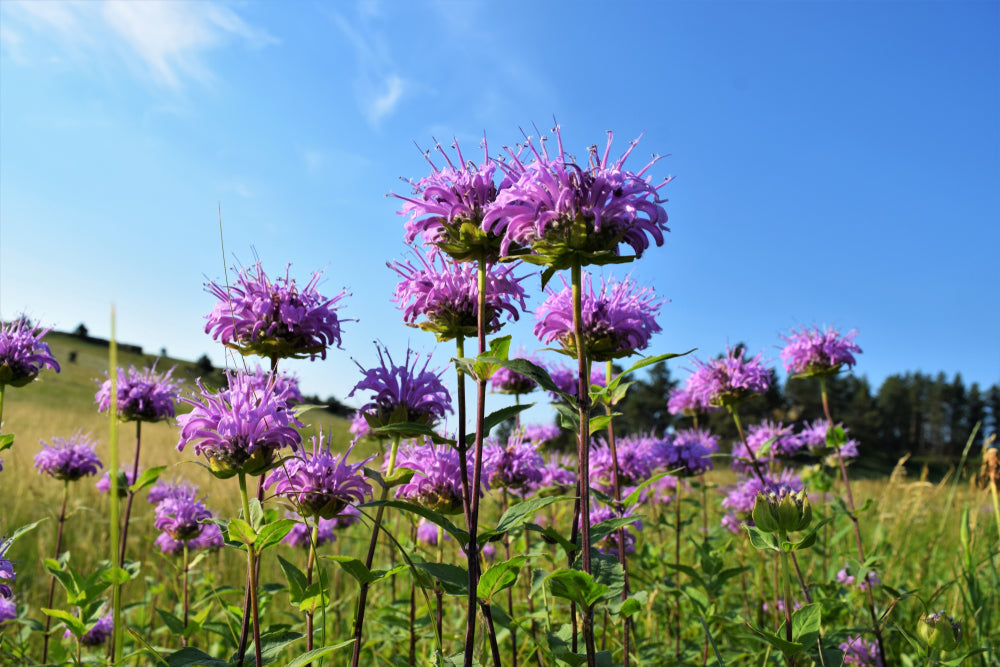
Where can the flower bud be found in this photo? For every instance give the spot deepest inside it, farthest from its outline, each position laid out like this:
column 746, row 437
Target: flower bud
column 794, row 512
column 764, row 513
column 940, row 631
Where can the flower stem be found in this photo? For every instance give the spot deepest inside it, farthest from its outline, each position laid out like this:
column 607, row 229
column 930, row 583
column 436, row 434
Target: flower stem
column 52, row 584
column 131, row 494
column 310, row 562
column 583, row 450
column 370, row 557
column 187, row 554
column 251, row 574
column 857, row 526
column 616, row 484
column 746, row 446
column 677, row 560
column 786, row 586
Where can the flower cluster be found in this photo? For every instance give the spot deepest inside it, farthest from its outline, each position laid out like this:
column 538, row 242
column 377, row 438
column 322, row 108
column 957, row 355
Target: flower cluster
column 815, row 352
column 143, row 395
column 69, row 459
column 684, row 401
column 557, row 474
column 506, row 381
column 618, row 320
column 8, row 610
column 300, row 534
column 859, row 652
column 768, row 441
column 238, row 429
column 688, row 453
column 728, row 380
column 443, row 297
column 566, row 380
column 609, row 545
column 540, row 433
column 22, row 353
column 845, row 578
column 274, row 319
column 568, row 213
column 403, row 393
column 125, row 480
column 181, row 516
column 638, row 457
column 437, row 478
column 517, row 466
column 322, row 484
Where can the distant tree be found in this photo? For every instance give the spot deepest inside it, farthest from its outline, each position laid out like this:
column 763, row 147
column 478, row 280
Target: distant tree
column 81, row 331
column 163, row 351
column 204, row 365
column 644, row 408
column 975, row 414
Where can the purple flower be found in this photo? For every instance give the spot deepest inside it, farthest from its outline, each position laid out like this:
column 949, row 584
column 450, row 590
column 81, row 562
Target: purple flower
column 566, row 212
column 98, row 633
column 506, row 381
column 683, row 401
column 638, row 456
column 8, row 609
column 402, row 393
column 427, row 533
column 688, row 453
column 210, row 537
column 846, row 579
column 22, row 353
column 68, row 459
column 814, row 352
column 275, row 320
column 557, row 475
column 125, row 480
column 859, row 652
column 437, row 482
column 180, row 516
column 617, row 321
column 143, row 395
column 517, row 466
column 566, row 380
column 728, row 380
column 238, row 429
column 443, row 297
column 7, row 574
column 541, row 433
column 740, row 498
column 609, row 545
column 286, row 385
column 448, row 206
column 359, row 427
column 163, row 490
column 322, row 484
column 781, row 441
column 301, row 533
column 813, row 436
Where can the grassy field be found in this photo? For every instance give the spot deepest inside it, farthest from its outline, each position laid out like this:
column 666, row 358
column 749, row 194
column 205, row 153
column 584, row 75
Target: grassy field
column 933, row 545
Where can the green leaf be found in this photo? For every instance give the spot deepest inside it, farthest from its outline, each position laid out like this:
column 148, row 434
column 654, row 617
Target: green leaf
column 75, row 625
column 147, row 478
column 66, row 579
column 192, row 657
column 519, row 514
column 256, row 514
column 306, row 658
column 498, row 417
column 273, row 533
column 353, row 567
column 273, row 644
column 576, row 586
column 453, row 579
column 313, row 597
column 551, row 535
column 633, row 498
column 24, row 529
column 115, row 575
column 791, row 648
column 436, row 518
column 499, row 577
column 547, row 275
column 413, row 430
column 600, row 422
column 296, row 580
column 174, row 624
column 806, row 622
column 761, row 540
column 810, row 537
column 642, row 363
column 6, row 441
column 629, row 607
column 242, row 531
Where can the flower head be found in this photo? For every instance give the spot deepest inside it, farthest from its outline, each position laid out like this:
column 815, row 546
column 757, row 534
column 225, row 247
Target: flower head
column 506, row 381
column 688, row 453
column 516, row 466
column 565, row 380
column 540, row 433
column 814, row 352
column 845, row 578
column 859, row 652
column 22, row 353
column 210, row 537
column 180, row 516
column 7, row 574
column 556, row 474
column 447, row 207
column 321, row 484
column 164, row 489
column 768, row 441
column 437, row 482
column 275, row 320
column 98, row 632
column 143, row 395
column 286, row 385
column 359, row 427
column 301, row 533
column 684, row 401
column 638, row 456
column 68, row 459
column 740, row 498
column 125, row 480
column 443, row 297
column 403, row 393
column 609, row 545
column 238, row 428
column 729, row 379
column 8, row 609
column 570, row 213
column 618, row 321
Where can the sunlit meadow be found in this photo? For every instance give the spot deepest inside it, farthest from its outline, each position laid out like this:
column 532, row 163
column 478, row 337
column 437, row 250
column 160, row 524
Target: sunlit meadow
column 435, row 528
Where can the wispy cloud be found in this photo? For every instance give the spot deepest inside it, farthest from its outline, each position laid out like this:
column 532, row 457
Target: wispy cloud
column 167, row 41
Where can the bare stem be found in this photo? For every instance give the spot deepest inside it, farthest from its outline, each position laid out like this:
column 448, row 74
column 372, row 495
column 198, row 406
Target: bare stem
column 52, row 584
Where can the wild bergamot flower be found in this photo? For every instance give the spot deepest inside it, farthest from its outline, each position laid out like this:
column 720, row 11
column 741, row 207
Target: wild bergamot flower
column 143, row 395
column 815, row 352
column 69, row 459
column 22, row 353
column 729, row 379
column 403, row 393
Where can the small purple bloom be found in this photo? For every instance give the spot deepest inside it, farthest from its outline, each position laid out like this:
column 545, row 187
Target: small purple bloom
column 688, row 453
column 541, row 433
column 68, row 459
column 846, row 579
column 275, row 320
column 359, row 427
column 618, row 321
column 322, row 484
column 816, row 352
column 7, row 574
column 22, row 353
column 403, row 393
column 125, row 480
column 210, row 537
column 683, row 401
column 517, row 466
column 638, row 456
column 301, row 533
column 859, row 652
column 443, row 297
column 143, row 395
column 8, row 609
column 238, row 428
column 609, row 545
column 448, row 206
column 728, row 380
column 783, row 443
column 557, row 475
column 98, row 633
column 566, row 212
column 427, row 533
column 437, row 482
column 180, row 516
column 163, row 490
column 566, row 380
column 506, row 381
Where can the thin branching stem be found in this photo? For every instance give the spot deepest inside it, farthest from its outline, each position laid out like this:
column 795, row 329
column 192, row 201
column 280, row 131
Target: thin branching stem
column 52, row 584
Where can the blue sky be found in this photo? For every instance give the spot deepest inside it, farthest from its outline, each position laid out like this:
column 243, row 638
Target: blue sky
column 834, row 163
